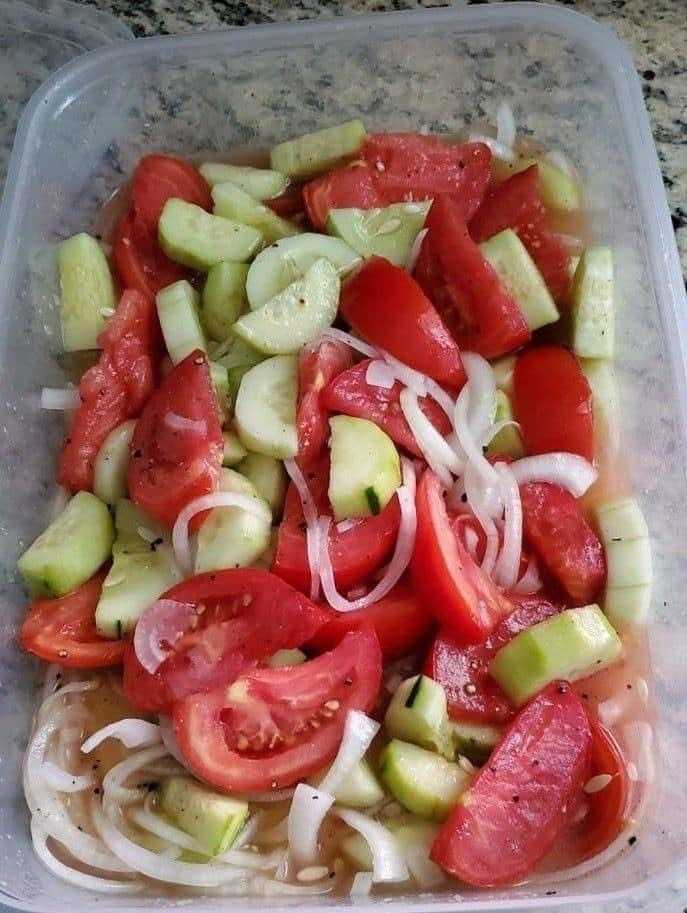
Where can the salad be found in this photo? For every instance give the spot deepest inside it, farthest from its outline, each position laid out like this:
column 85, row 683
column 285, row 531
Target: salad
column 345, row 590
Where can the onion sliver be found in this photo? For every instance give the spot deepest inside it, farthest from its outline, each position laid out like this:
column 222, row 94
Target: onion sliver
column 565, row 469
column 508, row 563
column 59, row 399
column 64, row 782
column 475, row 495
column 380, row 374
column 497, row 148
column 352, row 341
column 359, row 730
column 113, row 781
column 471, row 447
column 387, row 859
column 482, row 394
column 132, row 733
column 441, row 458
column 308, row 810
column 180, row 423
column 154, row 824
column 505, row 125
column 157, row 631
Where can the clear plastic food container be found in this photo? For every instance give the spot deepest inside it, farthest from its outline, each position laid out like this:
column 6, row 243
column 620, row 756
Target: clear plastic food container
column 572, row 85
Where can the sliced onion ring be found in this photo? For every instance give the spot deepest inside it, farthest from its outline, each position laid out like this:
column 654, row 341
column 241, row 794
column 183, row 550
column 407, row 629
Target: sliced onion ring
column 308, row 810
column 565, row 469
column 163, row 623
column 380, row 374
column 359, row 730
column 440, row 457
column 388, row 864
column 352, row 341
column 132, row 733
column 508, row 563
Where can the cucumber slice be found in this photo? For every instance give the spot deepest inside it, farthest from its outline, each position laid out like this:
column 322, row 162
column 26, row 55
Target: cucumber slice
column 260, row 183
column 234, row 451
column 365, row 468
column 241, row 355
column 268, row 477
column 224, row 298
column 360, row 789
column 503, row 373
column 388, row 232
column 71, row 549
column 423, row 782
column 627, row 604
column 315, row 152
column 283, row 658
column 628, row 563
column 558, row 190
column 87, row 292
column 296, row 315
column 233, row 203
column 265, row 411
column 593, row 317
column 418, row 713
column 282, row 263
column 625, row 536
column 620, row 521
column 518, row 273
column 112, row 463
column 605, row 399
column 177, row 308
column 508, row 441
column 197, row 239
column 213, row 819
column 475, row 740
column 569, row 646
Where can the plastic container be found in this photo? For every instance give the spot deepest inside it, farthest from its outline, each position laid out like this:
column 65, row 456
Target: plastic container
column 573, row 85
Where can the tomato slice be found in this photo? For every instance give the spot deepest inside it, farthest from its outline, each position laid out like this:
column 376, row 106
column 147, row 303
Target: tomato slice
column 63, row 630
column 402, row 623
column 464, row 288
column 114, row 389
column 553, row 402
column 288, row 204
column 563, row 540
column 158, row 178
column 274, row 727
column 350, row 186
column 248, row 614
column 463, row 669
column 139, row 260
column 356, row 553
column 350, row 394
column 389, row 309
column 318, row 364
column 520, row 801
column 171, row 466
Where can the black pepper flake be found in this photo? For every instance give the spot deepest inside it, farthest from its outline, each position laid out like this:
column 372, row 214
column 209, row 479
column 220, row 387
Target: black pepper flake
column 585, row 696
column 348, row 681
column 516, row 798
column 649, row 75
column 550, row 893
column 628, row 686
column 464, row 498
column 97, row 791
column 302, row 526
column 155, row 543
column 632, row 840
column 137, row 454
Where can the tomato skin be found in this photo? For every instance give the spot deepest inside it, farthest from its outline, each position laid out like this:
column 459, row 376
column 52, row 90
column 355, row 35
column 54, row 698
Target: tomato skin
column 350, row 186
column 318, row 364
column 389, row 309
column 519, row 801
column 209, row 726
column 158, row 178
column 350, row 394
column 288, row 204
column 608, row 808
column 553, row 402
column 170, row 467
column 63, row 630
column 446, row 579
column 465, row 289
column 563, row 540
column 140, row 262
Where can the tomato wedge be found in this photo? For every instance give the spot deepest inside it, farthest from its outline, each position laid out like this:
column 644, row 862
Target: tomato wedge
column 63, row 630
column 389, row 309
column 171, row 466
column 553, row 402
column 465, row 289
column 446, row 579
column 247, row 615
column 318, row 364
column 140, row 262
column 274, row 727
column 350, row 394
column 356, row 553
column 520, row 801
column 158, row 178
column 351, row 186
column 563, row 540
column 288, row 204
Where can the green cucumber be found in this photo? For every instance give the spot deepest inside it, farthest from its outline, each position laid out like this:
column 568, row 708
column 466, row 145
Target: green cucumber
column 265, row 410
column 295, row 316
column 365, row 468
column 241, row 355
column 628, row 562
column 627, row 604
column 508, row 441
column 87, row 292
column 177, row 308
column 233, row 203
column 503, row 373
column 234, row 451
column 112, row 463
column 224, row 298
column 619, row 521
column 315, row 152
column 593, row 313
column 283, row 658
column 197, row 239
column 213, row 819
column 360, row 789
column 605, row 398
column 569, row 646
column 260, row 183
column 269, row 478
column 389, row 232
column 418, row 713
column 629, row 575
column 423, row 782
column 222, row 387
column 475, row 741
column 558, row 190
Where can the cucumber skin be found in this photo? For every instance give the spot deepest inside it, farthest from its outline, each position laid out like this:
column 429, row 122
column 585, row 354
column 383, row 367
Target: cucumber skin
column 315, row 152
column 213, row 819
column 431, row 792
column 224, row 298
column 231, row 202
column 418, row 714
column 260, row 183
column 177, row 310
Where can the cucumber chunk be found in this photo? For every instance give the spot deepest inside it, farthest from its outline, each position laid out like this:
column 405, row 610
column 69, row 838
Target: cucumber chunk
column 283, row 658
column 295, row 316
column 518, row 273
column 508, row 441
column 569, row 646
column 475, row 741
column 112, row 463
column 605, row 399
column 233, row 203
column 87, row 292
column 282, row 263
column 629, row 562
column 625, row 536
column 365, row 468
column 197, row 239
column 213, row 819
column 593, row 318
column 360, row 789
column 177, row 309
column 314, row 152
column 222, row 387
column 234, row 451
column 503, row 373
column 71, row 549
column 620, row 521
column 241, row 355
column 268, row 477
column 388, row 232
column 265, row 411
column 423, row 782
column 260, row 183
column 224, row 298
column 627, row 604
column 418, row 713
column 558, row 190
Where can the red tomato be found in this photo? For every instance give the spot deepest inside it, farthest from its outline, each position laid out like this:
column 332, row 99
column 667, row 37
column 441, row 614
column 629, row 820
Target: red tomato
column 350, row 394
column 248, row 614
column 288, row 204
column 520, row 801
column 274, row 727
column 389, row 309
column 356, row 553
column 171, row 466
column 158, row 178
column 608, row 807
column 553, row 402
column 463, row 670
column 465, row 289
column 140, row 262
column 114, row 389
column 446, row 579
column 63, row 630
column 318, row 364
column 516, row 204
column 400, row 621
column 350, row 186
column 558, row 533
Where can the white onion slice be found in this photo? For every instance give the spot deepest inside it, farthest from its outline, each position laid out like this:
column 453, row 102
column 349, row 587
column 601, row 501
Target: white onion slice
column 482, row 394
column 180, row 423
column 531, row 581
column 425, row 872
column 308, row 810
column 505, row 125
column 352, row 341
column 565, row 469
column 380, row 374
column 497, row 148
column 113, row 781
column 169, row 740
column 439, row 455
column 508, row 563
column 132, row 733
column 57, row 399
column 409, row 377
column 471, row 448
column 247, row 859
column 414, row 252
column 345, row 525
column 475, row 495
column 64, row 782
column 388, row 864
column 359, row 730
column 361, row 884
column 154, row 824
column 158, row 629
